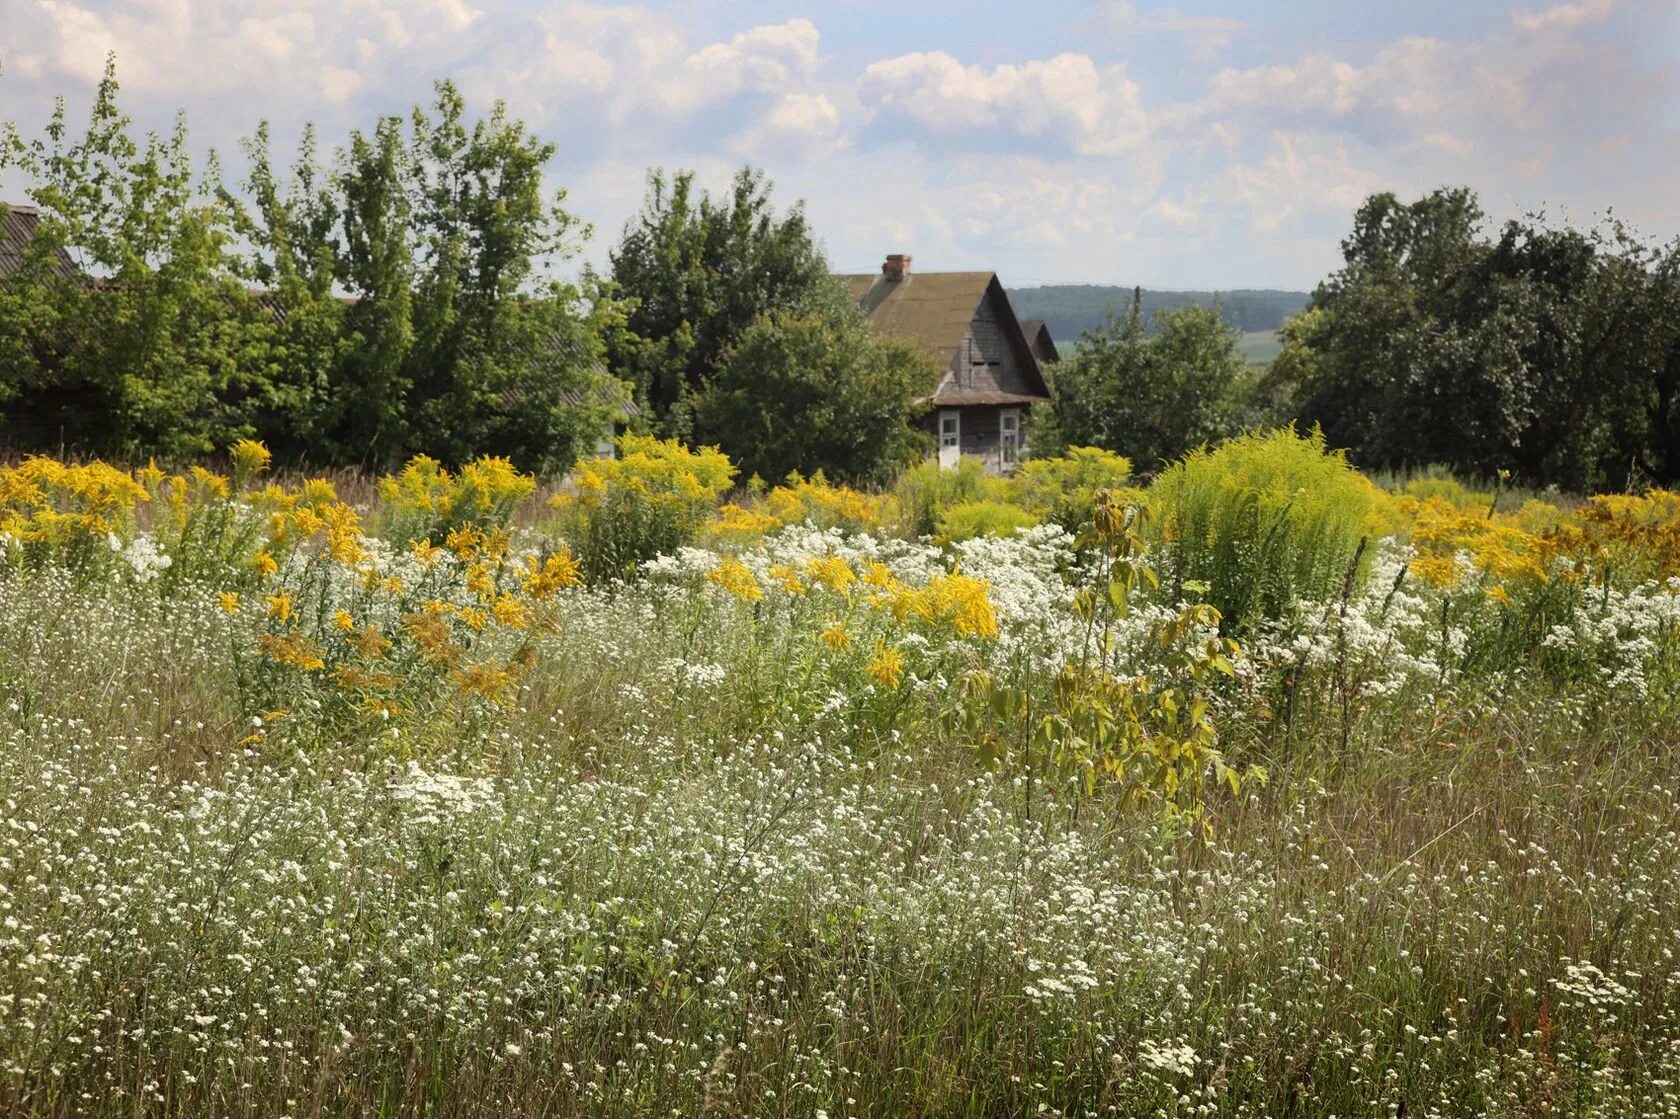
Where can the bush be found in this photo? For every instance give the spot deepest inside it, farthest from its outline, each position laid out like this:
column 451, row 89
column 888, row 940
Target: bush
column 969, row 519
column 427, row 502
column 1064, row 490
column 650, row 501
column 1263, row 520
column 928, row 489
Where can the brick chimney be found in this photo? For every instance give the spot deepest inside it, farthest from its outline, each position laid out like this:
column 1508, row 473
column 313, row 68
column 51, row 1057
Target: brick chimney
column 897, row 267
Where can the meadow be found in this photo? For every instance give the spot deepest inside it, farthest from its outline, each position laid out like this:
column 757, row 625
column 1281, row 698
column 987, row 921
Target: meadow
column 1258, row 790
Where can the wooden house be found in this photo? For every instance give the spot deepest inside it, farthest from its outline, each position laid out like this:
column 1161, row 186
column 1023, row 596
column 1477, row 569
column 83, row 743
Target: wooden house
column 990, row 374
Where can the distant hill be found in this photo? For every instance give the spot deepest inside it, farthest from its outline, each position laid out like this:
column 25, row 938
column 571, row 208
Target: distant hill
column 1071, row 309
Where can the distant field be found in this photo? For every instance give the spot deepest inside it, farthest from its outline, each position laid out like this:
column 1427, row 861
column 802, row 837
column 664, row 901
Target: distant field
column 1259, row 347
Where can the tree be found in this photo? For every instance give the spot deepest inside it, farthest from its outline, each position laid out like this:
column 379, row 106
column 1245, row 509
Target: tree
column 815, row 388
column 156, row 345
column 1534, row 350
column 415, row 311
column 695, row 272
column 1151, row 397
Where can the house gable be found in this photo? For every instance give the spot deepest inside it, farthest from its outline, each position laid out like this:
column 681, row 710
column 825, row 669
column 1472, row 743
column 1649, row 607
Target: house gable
column 964, row 321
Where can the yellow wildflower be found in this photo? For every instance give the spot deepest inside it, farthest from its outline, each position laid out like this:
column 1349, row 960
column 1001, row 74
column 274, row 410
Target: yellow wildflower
column 265, row 565
column 732, row 575
column 788, row 578
column 228, row 601
column 280, row 606
column 291, row 649
column 831, row 571
column 887, row 667
column 555, row 573
column 834, row 635
column 344, row 621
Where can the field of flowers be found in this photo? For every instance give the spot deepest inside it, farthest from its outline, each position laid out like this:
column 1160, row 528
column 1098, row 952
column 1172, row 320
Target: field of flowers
column 1258, row 791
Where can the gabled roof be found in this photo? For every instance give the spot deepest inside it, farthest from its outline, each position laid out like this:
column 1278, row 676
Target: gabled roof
column 936, row 310
column 17, row 226
column 931, row 309
column 1038, row 337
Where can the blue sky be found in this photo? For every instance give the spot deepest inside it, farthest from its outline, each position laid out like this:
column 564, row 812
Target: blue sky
column 1173, row 145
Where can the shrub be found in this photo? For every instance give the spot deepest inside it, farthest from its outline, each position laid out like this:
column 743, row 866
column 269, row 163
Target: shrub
column 968, row 519
column 650, row 501
column 1263, row 520
column 1063, row 490
column 815, row 501
column 928, row 489
column 427, row 502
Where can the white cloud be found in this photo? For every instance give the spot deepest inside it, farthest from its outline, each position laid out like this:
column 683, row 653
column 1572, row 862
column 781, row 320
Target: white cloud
column 1067, row 100
column 1563, row 17
column 1205, row 36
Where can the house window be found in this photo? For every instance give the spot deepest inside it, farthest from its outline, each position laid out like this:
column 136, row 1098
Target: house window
column 1009, row 423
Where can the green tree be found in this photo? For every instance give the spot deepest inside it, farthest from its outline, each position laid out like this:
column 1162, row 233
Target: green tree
column 1150, row 396
column 156, row 344
column 695, row 272
column 291, row 229
column 815, row 388
column 1534, row 350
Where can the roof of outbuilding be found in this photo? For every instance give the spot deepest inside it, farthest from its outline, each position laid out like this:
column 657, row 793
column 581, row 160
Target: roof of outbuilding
column 17, row 226
column 1038, row 337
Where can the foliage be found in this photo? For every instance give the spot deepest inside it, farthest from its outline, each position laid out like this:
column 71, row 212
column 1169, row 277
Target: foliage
column 695, row 272
column 1262, row 521
column 164, row 350
column 817, row 389
column 1546, row 351
column 1063, row 490
column 967, row 519
column 650, row 500
column 403, row 304
column 1149, row 396
column 1122, row 735
column 927, row 489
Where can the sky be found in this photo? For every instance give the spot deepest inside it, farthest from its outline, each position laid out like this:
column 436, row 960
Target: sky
column 1185, row 145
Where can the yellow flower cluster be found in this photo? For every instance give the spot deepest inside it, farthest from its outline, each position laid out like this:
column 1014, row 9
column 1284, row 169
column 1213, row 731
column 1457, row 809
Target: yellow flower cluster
column 55, row 503
column 662, row 472
column 733, row 576
column 801, row 500
column 1499, row 549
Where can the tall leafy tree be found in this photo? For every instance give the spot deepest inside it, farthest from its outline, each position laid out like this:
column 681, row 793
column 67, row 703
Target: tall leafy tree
column 1150, row 395
column 815, row 388
column 695, row 272
column 156, row 344
column 1533, row 350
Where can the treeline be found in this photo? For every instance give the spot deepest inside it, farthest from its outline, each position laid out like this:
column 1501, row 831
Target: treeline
column 388, row 302
column 1546, row 353
column 398, row 297
column 1069, row 310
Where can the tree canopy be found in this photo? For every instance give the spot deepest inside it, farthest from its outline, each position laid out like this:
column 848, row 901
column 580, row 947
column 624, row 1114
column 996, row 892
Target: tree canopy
column 394, row 302
column 695, row 271
column 1150, row 395
column 815, row 388
column 1546, row 351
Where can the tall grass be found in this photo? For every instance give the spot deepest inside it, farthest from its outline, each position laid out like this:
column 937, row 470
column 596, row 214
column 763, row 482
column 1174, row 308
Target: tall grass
column 1263, row 521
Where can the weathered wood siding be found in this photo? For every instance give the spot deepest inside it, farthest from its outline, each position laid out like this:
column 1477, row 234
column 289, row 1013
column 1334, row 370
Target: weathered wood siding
column 989, row 358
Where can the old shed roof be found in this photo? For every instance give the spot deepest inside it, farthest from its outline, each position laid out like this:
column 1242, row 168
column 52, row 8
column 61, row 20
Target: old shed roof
column 932, row 309
column 17, row 225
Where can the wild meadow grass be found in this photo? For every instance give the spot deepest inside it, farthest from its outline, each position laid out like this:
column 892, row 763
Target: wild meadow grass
column 712, row 841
